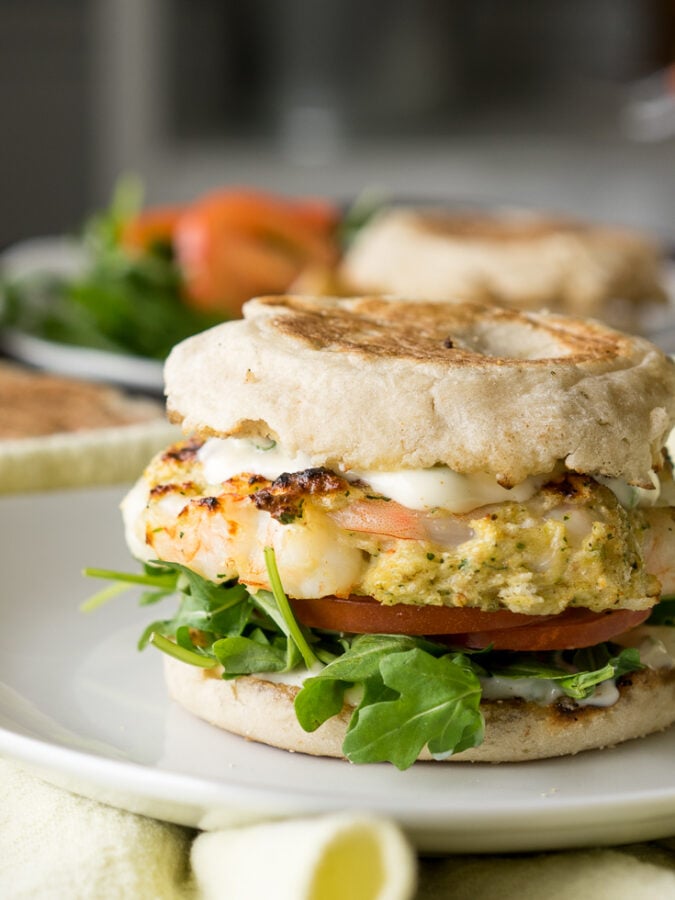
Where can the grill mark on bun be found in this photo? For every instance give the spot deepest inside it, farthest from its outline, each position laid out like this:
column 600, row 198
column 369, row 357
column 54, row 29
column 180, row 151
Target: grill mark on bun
column 493, row 228
column 476, row 335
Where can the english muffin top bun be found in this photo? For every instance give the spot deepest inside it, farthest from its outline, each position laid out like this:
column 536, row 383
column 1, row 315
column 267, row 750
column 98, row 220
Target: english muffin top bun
column 523, row 259
column 374, row 384
column 415, row 530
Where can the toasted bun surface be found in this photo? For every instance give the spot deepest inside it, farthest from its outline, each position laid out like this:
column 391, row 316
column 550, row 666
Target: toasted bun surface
column 515, row 730
column 370, row 383
column 521, row 259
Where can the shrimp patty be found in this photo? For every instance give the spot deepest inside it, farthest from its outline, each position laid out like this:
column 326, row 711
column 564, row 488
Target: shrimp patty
column 570, row 545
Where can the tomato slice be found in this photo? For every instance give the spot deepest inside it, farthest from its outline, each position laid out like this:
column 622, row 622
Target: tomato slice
column 473, row 628
column 570, row 630
column 364, row 615
column 153, row 226
column 235, row 244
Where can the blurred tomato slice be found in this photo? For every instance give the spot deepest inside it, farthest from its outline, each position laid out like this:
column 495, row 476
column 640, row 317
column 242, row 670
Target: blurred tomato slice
column 235, row 244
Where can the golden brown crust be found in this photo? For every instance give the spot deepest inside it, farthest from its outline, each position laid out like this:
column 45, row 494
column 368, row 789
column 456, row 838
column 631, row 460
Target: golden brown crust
column 475, row 225
column 35, row 404
column 284, row 498
column 467, row 334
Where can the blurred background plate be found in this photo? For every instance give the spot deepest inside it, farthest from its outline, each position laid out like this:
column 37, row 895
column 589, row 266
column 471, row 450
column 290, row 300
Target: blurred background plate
column 65, row 257
column 82, row 362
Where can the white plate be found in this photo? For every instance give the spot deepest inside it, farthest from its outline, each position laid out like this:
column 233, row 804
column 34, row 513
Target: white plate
column 84, row 362
column 78, row 702
column 65, row 256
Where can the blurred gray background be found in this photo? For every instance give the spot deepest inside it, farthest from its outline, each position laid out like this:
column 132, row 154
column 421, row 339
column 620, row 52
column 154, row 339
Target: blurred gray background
column 564, row 104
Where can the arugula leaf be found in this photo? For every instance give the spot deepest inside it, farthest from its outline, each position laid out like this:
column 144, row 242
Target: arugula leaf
column 594, row 665
column 287, row 620
column 163, row 627
column 411, row 697
column 318, row 700
column 246, row 656
column 218, row 609
column 437, row 705
column 321, row 697
column 362, row 660
column 193, row 657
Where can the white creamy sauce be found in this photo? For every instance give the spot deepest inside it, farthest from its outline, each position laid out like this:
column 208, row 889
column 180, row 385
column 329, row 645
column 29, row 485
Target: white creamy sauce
column 294, row 678
column 535, row 690
column 605, row 694
column 442, row 487
column 543, row 691
column 630, row 496
column 132, row 508
column 420, row 489
column 653, row 654
column 223, row 458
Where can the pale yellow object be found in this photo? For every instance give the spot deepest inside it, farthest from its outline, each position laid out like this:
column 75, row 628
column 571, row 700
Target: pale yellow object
column 340, row 857
column 638, row 873
column 77, row 459
column 58, row 846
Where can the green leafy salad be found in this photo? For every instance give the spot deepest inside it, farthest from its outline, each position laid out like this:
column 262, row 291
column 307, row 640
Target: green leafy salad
column 410, row 692
column 115, row 301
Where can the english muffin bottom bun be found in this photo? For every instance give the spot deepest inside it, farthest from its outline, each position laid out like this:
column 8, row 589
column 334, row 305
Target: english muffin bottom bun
column 523, row 259
column 404, row 530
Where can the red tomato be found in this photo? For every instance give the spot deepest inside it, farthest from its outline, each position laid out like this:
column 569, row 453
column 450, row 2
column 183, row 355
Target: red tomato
column 472, row 628
column 570, row 630
column 153, row 226
column 235, row 244
column 364, row 615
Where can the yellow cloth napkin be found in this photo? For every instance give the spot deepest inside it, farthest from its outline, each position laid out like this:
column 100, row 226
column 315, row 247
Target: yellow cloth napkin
column 58, row 846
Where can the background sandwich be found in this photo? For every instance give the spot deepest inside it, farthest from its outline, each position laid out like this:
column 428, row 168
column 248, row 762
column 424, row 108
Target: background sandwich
column 412, row 530
column 522, row 259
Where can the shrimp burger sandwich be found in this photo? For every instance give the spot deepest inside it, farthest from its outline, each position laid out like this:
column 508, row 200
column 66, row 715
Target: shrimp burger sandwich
column 408, row 530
